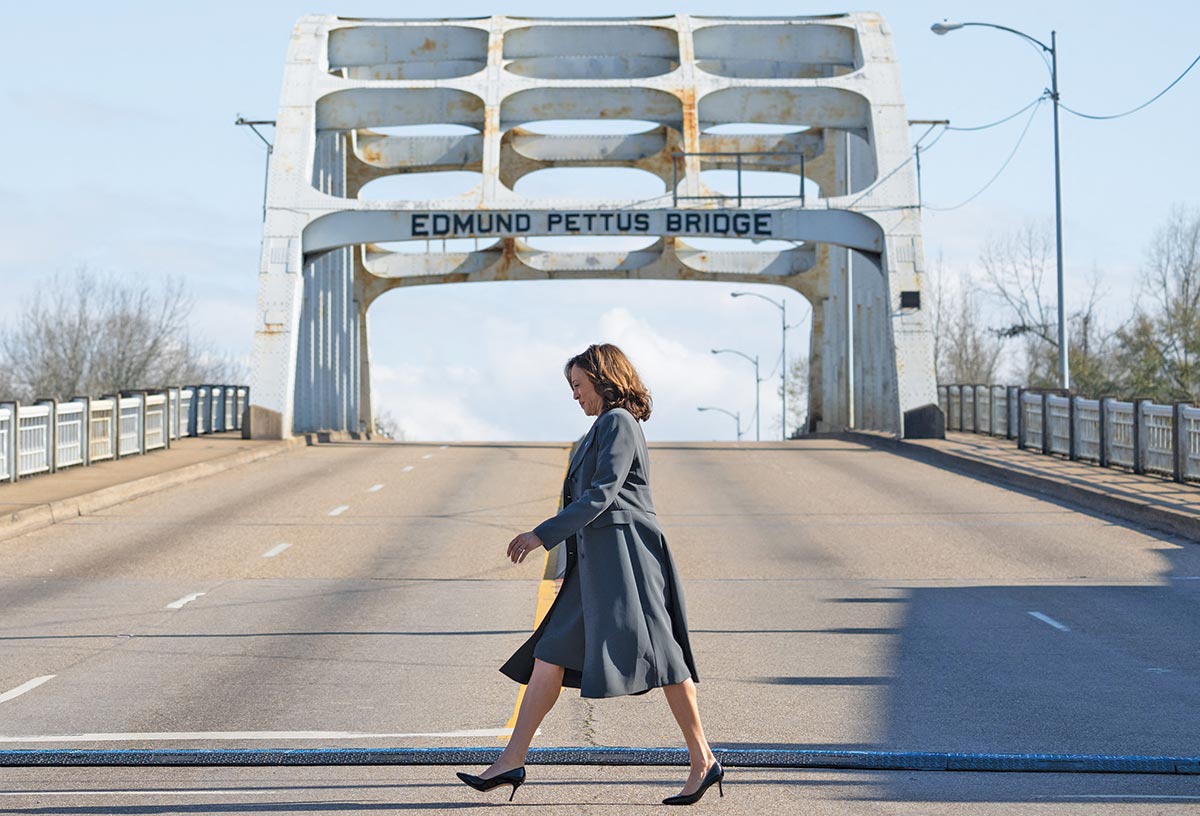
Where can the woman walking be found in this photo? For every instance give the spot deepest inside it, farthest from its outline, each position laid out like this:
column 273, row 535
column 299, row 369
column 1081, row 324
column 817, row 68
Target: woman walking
column 618, row 625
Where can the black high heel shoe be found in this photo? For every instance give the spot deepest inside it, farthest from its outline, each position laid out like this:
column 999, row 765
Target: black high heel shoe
column 715, row 774
column 514, row 777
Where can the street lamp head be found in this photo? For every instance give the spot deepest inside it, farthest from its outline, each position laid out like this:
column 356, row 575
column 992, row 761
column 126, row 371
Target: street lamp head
column 736, row 294
column 945, row 27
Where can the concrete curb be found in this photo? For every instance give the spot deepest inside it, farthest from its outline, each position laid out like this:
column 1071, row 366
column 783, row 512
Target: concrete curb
column 1140, row 513
column 44, row 515
column 739, row 758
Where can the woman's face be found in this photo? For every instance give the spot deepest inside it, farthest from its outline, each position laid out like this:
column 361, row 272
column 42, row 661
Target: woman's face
column 584, row 392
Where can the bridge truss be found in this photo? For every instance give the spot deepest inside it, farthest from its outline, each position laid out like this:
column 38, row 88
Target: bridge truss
column 818, row 98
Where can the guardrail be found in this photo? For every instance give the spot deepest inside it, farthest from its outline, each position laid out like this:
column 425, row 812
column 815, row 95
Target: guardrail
column 49, row 435
column 1144, row 436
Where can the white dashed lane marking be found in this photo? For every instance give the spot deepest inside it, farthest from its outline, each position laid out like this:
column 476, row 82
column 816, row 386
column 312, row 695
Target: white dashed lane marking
column 341, row 508
column 1049, row 620
column 407, row 468
column 125, row 793
column 276, row 550
column 375, row 488
column 186, row 599
column 24, row 687
column 427, row 456
column 184, row 736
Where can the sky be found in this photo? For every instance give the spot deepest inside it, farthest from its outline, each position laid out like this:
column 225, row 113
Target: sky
column 123, row 158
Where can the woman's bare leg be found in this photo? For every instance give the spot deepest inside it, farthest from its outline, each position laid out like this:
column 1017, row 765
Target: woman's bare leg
column 540, row 696
column 682, row 699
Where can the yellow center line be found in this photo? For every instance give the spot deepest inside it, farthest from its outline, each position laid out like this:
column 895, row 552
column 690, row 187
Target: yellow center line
column 547, row 589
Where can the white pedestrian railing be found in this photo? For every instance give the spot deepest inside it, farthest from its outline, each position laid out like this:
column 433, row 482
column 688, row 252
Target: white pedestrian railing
column 1058, row 415
column 1087, row 429
column 1158, row 428
column 156, row 415
column 101, row 433
column 50, row 435
column 132, row 412
column 6, row 424
column 1141, row 435
column 69, row 450
column 1031, row 414
column 34, row 439
column 1189, row 436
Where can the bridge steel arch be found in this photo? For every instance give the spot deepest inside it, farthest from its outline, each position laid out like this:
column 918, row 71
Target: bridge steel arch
column 704, row 88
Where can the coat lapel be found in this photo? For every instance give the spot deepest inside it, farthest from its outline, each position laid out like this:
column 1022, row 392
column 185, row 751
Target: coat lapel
column 577, row 459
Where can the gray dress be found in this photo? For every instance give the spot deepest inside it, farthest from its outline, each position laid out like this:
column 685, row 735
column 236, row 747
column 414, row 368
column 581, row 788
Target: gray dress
column 618, row 624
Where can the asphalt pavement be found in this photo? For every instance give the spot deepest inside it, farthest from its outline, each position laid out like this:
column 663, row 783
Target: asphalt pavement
column 356, row 594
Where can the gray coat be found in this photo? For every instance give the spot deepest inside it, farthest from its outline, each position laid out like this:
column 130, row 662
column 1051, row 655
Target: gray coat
column 618, row 624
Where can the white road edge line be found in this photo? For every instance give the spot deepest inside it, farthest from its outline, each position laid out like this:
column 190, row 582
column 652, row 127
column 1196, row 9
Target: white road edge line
column 24, row 687
column 1125, row 796
column 407, row 468
column 1050, row 620
column 162, row 736
column 186, row 599
column 276, row 550
column 375, row 488
column 210, row 792
column 341, row 508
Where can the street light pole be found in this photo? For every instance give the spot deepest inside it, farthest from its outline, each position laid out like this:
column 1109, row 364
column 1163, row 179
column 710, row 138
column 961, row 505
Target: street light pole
column 1064, row 368
column 1064, row 371
column 757, row 381
column 252, row 124
column 782, row 306
column 737, row 418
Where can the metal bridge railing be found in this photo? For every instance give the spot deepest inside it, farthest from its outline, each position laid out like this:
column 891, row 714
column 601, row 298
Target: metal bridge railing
column 1144, row 436
column 50, row 435
column 738, row 168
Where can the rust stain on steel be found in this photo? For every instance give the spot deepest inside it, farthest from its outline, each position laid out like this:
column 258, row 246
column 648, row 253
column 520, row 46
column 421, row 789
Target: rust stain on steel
column 496, row 48
column 371, row 154
column 428, row 45
column 509, row 259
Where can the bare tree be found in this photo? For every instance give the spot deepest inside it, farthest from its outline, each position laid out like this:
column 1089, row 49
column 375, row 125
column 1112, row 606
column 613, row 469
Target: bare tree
column 939, row 309
column 1016, row 265
column 797, row 395
column 1093, row 368
column 972, row 351
column 89, row 334
column 387, row 426
column 1161, row 343
column 965, row 350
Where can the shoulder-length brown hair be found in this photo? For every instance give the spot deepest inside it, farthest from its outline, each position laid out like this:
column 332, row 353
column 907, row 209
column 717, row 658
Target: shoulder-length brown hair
column 615, row 379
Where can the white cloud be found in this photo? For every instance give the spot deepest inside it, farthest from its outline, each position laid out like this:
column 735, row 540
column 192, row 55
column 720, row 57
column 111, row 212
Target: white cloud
column 679, row 373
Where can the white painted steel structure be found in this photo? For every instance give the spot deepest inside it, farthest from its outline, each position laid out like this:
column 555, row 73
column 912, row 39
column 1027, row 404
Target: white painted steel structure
column 50, row 435
column 1144, row 436
column 703, row 88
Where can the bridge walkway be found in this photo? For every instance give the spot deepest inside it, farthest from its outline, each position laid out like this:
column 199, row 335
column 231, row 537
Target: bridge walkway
column 48, row 498
column 1148, row 500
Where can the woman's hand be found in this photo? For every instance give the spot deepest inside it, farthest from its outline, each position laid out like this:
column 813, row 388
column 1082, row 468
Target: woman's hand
column 520, row 546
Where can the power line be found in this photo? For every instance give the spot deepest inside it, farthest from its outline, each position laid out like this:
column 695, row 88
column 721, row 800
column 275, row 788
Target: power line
column 1154, row 98
column 1010, row 117
column 1003, row 167
column 872, row 187
column 936, row 139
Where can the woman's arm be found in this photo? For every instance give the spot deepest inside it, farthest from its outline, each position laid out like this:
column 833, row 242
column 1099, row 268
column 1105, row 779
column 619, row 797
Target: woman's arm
column 616, row 445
